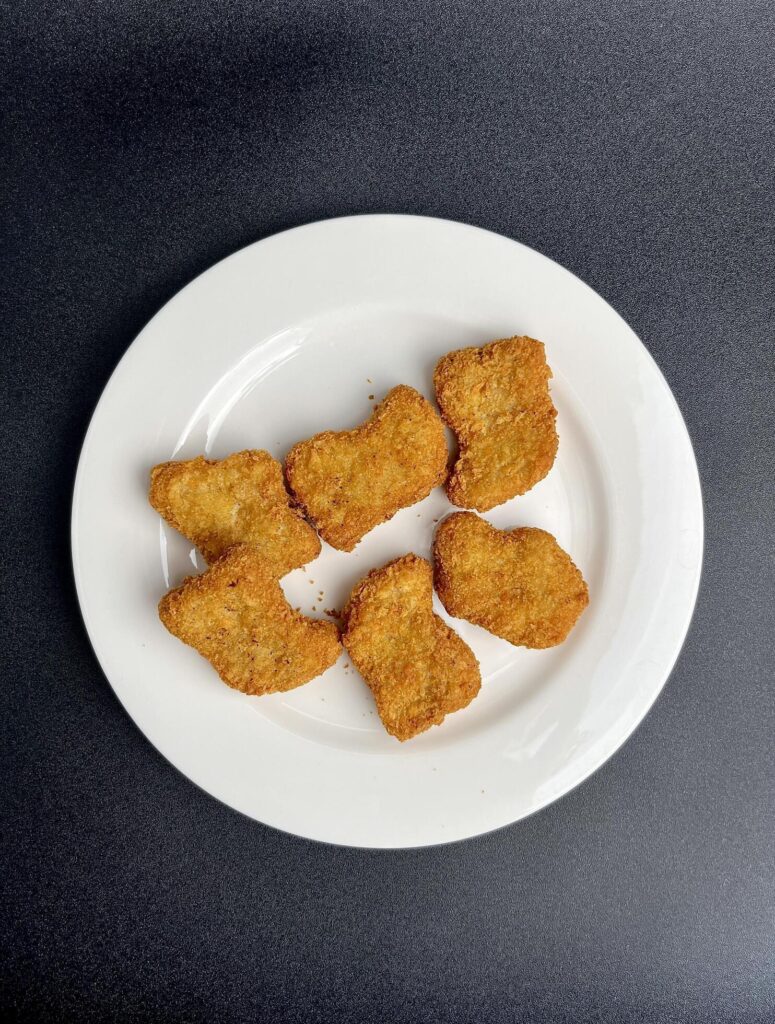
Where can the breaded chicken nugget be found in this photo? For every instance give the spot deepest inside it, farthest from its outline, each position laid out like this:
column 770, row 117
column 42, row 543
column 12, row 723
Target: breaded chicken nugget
column 241, row 499
column 496, row 400
column 518, row 584
column 418, row 669
column 349, row 482
column 236, row 616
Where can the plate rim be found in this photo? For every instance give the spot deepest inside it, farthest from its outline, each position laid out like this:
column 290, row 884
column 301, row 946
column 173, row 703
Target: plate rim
column 635, row 342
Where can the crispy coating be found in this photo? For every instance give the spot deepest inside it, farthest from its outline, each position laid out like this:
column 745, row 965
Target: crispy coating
column 496, row 400
column 351, row 481
column 241, row 499
column 418, row 669
column 518, row 584
column 236, row 616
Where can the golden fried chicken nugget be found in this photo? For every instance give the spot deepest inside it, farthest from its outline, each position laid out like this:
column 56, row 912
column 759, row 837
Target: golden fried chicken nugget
column 236, row 616
column 241, row 499
column 518, row 584
column 496, row 400
column 351, row 481
column 418, row 669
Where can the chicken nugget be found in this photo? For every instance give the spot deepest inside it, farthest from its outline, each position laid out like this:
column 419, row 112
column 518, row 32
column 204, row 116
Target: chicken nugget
column 351, row 481
column 496, row 400
column 236, row 616
column 518, row 584
column 241, row 499
column 418, row 669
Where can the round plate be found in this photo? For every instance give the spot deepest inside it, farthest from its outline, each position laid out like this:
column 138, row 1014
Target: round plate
column 304, row 332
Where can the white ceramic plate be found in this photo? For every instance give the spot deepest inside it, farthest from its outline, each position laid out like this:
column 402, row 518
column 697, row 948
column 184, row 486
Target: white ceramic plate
column 294, row 335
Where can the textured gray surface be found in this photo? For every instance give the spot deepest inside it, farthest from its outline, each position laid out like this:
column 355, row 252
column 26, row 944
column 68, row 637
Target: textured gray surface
column 633, row 143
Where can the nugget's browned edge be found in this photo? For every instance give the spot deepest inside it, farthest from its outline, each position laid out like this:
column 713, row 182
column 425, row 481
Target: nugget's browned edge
column 456, row 591
column 362, row 586
column 305, row 545
column 305, row 647
column 430, row 468
column 465, row 662
column 464, row 486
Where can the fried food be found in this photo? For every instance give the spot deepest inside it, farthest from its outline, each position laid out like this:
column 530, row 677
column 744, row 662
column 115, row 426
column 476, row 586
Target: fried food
column 236, row 616
column 518, row 584
column 351, row 481
column 418, row 669
column 241, row 499
column 496, row 400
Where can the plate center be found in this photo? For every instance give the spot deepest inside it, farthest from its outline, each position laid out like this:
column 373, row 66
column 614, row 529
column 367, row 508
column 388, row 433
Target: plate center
column 274, row 396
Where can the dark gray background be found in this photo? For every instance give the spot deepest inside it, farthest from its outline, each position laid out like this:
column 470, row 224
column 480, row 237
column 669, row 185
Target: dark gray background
column 633, row 143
